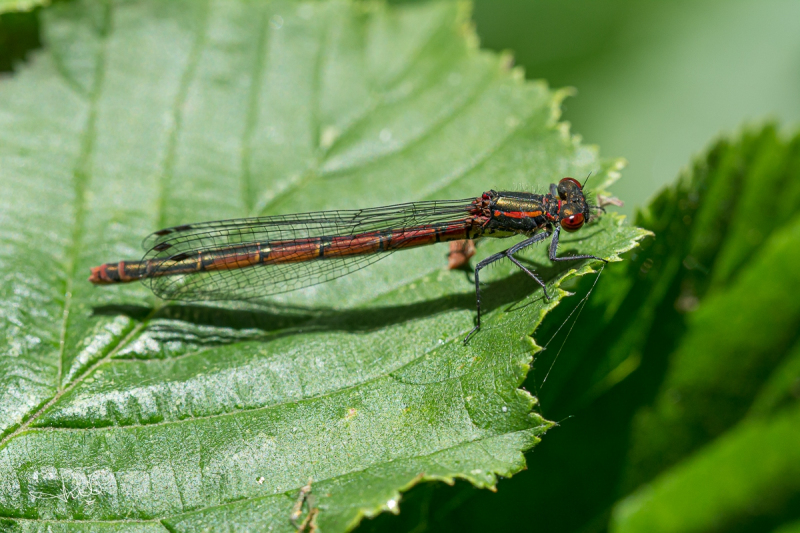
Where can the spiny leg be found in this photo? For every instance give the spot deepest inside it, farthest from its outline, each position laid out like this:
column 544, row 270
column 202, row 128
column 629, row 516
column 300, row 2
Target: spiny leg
column 536, row 278
column 496, row 257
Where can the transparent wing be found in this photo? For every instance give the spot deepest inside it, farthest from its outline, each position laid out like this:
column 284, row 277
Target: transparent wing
column 173, row 244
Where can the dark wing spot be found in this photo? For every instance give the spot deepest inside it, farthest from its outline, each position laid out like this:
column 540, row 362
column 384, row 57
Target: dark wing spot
column 179, row 257
column 185, row 227
column 163, row 232
column 162, row 246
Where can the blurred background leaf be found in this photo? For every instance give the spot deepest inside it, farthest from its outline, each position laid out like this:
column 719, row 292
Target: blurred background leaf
column 17, row 6
column 19, row 35
column 720, row 439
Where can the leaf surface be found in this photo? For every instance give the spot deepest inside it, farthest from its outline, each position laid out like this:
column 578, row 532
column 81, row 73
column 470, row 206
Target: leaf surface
column 123, row 413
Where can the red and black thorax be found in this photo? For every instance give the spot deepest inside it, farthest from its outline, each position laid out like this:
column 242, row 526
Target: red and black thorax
column 517, row 212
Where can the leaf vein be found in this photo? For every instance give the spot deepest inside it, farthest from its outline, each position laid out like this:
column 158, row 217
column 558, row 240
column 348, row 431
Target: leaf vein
column 253, row 102
column 176, row 125
column 432, row 129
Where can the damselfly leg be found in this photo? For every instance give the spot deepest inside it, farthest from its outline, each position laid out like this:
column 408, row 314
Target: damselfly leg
column 553, row 250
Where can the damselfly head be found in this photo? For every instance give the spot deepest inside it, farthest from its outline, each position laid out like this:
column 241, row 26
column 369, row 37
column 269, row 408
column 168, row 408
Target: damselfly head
column 574, row 210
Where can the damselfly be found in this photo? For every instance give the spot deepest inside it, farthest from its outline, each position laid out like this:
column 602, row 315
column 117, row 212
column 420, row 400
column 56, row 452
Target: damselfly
column 247, row 258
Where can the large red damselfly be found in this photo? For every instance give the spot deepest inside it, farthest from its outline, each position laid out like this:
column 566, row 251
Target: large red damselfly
column 247, row 258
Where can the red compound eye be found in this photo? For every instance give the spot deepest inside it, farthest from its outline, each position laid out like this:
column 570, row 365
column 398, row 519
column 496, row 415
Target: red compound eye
column 574, row 181
column 572, row 222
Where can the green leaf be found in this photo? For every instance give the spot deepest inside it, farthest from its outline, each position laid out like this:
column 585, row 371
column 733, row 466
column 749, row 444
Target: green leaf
column 736, row 289
column 121, row 412
column 728, row 401
column 10, row 6
column 793, row 527
column 750, row 470
column 19, row 35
